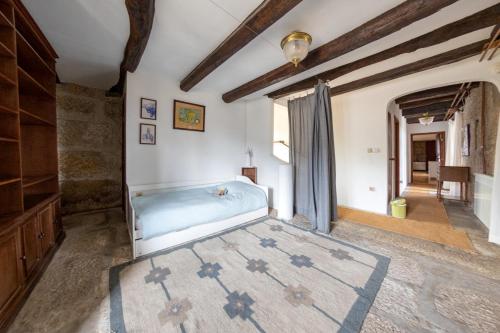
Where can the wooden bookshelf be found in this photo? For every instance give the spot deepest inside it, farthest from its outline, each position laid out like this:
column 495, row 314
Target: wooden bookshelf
column 30, row 227
column 8, row 181
column 28, row 118
column 7, row 110
column 34, row 180
column 30, row 86
column 6, row 82
column 5, row 52
column 6, row 22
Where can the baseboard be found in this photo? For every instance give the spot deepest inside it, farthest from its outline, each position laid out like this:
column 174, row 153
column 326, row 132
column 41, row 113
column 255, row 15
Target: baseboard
column 494, row 239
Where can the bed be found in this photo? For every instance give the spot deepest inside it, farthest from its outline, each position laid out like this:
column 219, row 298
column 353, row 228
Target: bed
column 166, row 215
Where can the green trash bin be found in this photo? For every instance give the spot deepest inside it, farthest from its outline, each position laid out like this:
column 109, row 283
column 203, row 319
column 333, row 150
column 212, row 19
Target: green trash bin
column 398, row 208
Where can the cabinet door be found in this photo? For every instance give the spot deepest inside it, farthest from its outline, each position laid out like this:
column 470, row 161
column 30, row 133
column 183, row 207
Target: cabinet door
column 11, row 277
column 56, row 209
column 45, row 218
column 31, row 244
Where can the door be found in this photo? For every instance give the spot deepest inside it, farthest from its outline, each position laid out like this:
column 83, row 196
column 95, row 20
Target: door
column 396, row 158
column 56, row 211
column 442, row 148
column 45, row 218
column 11, row 276
column 31, row 244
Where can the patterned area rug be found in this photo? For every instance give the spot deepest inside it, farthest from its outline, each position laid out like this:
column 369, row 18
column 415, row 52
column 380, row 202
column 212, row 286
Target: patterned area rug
column 266, row 276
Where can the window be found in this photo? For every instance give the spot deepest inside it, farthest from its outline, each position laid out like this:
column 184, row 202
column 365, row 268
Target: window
column 280, row 133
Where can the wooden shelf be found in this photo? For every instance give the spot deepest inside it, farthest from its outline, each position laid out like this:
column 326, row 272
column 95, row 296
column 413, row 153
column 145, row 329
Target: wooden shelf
column 29, row 205
column 27, row 27
column 6, row 181
column 32, row 200
column 6, row 52
column 33, row 180
column 5, row 22
column 2, row 139
column 6, row 219
column 31, row 86
column 28, row 118
column 26, row 50
column 7, row 110
column 6, row 82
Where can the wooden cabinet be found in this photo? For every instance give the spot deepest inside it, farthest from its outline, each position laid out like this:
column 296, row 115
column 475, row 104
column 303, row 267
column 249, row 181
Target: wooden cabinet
column 56, row 210
column 11, row 276
column 31, row 244
column 30, row 225
column 250, row 172
column 46, row 227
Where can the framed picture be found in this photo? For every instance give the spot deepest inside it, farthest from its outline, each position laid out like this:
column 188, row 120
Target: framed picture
column 189, row 116
column 147, row 134
column 466, row 140
column 148, row 108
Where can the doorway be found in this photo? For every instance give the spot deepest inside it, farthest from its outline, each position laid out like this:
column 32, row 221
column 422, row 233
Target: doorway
column 428, row 153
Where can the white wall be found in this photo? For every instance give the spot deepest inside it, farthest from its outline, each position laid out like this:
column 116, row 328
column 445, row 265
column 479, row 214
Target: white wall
column 494, row 235
column 440, row 126
column 179, row 155
column 259, row 136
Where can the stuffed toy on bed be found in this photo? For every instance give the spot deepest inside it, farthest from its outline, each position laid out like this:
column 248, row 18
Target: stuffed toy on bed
column 221, row 191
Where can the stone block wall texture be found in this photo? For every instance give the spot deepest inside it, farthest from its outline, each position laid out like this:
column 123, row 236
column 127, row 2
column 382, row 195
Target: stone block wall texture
column 473, row 116
column 89, row 128
column 419, row 153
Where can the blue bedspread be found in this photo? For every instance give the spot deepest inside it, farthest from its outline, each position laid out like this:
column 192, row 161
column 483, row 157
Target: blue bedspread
column 164, row 212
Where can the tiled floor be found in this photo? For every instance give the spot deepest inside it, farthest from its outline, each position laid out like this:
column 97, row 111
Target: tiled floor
column 429, row 287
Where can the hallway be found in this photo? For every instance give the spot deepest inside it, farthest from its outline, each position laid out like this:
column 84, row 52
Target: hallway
column 426, row 219
column 422, row 204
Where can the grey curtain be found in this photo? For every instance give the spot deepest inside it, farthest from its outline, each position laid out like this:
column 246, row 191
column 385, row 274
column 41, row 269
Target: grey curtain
column 312, row 156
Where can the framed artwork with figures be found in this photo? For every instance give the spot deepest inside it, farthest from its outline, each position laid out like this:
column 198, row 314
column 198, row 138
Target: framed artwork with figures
column 148, row 108
column 189, row 116
column 147, row 134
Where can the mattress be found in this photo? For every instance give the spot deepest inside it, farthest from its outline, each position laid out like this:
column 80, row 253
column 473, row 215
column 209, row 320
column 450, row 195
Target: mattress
column 163, row 212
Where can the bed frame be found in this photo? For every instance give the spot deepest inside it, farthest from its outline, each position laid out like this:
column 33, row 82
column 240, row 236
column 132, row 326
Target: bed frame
column 141, row 247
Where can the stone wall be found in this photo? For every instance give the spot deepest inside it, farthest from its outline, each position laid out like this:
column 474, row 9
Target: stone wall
column 419, row 153
column 472, row 115
column 89, row 128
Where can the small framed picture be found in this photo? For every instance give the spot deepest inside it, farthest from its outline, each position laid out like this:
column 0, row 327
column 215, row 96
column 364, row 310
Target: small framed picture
column 189, row 116
column 147, row 134
column 148, row 108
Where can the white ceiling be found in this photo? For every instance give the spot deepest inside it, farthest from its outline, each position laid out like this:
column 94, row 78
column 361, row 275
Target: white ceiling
column 90, row 35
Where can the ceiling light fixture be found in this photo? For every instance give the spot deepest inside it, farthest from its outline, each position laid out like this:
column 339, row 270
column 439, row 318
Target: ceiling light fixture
column 426, row 119
column 296, row 46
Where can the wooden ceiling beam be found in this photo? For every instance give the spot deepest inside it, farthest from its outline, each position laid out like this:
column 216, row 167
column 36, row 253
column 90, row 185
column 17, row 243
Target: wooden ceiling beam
column 423, row 109
column 477, row 21
column 438, row 112
column 416, row 121
column 412, row 68
column 383, row 25
column 268, row 12
column 423, row 95
column 425, row 102
column 141, row 14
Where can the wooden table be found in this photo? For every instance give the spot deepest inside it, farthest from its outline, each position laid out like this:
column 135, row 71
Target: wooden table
column 454, row 174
